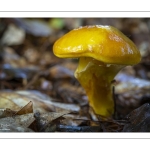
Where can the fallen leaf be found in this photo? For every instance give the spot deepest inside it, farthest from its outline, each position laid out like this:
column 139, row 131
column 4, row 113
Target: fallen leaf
column 44, row 121
column 6, row 113
column 44, row 99
column 26, row 109
column 41, row 102
column 139, row 120
column 17, row 123
column 53, row 115
column 13, row 35
column 35, row 27
column 60, row 72
column 6, row 102
column 6, row 126
column 128, row 83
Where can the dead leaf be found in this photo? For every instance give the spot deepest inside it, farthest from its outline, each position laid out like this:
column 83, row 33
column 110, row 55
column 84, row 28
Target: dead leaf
column 53, row 115
column 44, row 121
column 128, row 83
column 17, row 71
column 18, row 123
column 12, row 100
column 6, row 102
column 13, row 35
column 35, row 27
column 7, row 126
column 6, row 113
column 26, row 109
column 139, row 120
column 74, row 120
column 41, row 102
column 40, row 98
column 60, row 72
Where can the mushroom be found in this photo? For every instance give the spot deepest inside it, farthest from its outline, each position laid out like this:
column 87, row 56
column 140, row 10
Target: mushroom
column 102, row 51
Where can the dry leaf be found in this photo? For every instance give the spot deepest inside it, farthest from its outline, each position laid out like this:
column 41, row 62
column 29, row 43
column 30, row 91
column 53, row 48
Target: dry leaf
column 13, row 35
column 6, row 102
column 6, row 113
column 129, row 83
column 34, row 27
column 44, row 122
column 17, row 123
column 41, row 102
column 139, row 119
column 40, row 98
column 26, row 109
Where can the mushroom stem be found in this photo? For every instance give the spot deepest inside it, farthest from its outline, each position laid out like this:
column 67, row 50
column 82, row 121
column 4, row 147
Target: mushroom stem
column 96, row 77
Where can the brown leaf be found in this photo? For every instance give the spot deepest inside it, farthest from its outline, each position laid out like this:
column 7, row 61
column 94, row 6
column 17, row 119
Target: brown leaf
column 60, row 72
column 18, row 123
column 7, row 126
column 35, row 27
column 129, row 83
column 41, row 102
column 6, row 102
column 46, row 102
column 139, row 120
column 53, row 115
column 6, row 113
column 26, row 109
column 13, row 98
column 13, row 36
column 44, row 121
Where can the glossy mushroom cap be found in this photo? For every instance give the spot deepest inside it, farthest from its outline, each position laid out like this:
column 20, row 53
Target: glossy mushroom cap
column 103, row 43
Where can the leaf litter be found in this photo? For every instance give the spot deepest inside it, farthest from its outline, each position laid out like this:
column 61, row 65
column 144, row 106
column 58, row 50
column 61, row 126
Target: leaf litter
column 39, row 92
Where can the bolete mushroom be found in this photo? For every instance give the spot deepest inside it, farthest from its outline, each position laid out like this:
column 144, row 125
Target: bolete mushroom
column 102, row 51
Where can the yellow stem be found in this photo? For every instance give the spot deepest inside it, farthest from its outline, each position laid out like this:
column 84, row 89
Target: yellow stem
column 95, row 77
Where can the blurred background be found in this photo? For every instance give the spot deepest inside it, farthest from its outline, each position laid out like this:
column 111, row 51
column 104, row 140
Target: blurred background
column 27, row 61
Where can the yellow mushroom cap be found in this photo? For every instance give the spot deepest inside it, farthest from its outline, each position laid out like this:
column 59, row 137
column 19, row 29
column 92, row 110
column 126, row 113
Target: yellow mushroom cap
column 103, row 43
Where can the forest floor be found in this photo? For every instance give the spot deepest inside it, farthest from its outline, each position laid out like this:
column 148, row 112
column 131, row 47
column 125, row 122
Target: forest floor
column 39, row 93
